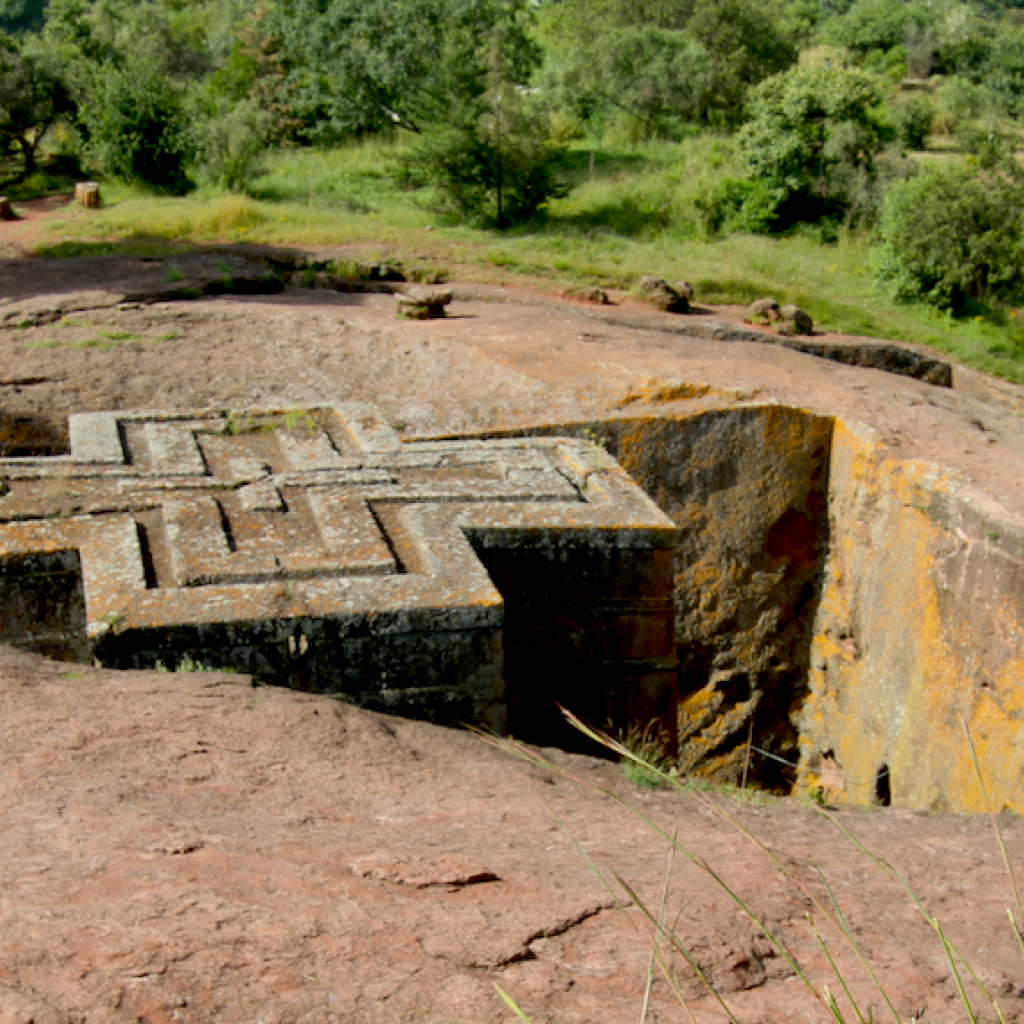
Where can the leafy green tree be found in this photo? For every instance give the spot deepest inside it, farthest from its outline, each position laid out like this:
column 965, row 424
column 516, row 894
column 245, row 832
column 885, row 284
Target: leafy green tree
column 689, row 60
column 356, row 66
column 912, row 121
column 486, row 172
column 21, row 15
column 875, row 25
column 164, row 38
column 32, row 99
column 950, row 234
column 812, row 140
column 1004, row 70
column 489, row 157
column 137, row 129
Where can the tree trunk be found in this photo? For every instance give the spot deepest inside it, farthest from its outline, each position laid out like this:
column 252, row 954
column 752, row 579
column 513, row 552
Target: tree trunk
column 28, row 152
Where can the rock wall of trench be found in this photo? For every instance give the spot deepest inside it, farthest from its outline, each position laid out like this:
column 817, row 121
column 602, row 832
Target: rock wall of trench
column 835, row 607
column 919, row 630
column 749, row 488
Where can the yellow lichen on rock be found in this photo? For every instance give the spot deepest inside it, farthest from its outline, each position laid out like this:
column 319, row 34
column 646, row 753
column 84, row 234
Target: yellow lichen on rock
column 906, row 654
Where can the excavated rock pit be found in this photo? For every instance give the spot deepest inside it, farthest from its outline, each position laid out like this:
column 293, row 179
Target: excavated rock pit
column 849, row 588
column 839, row 615
column 844, row 613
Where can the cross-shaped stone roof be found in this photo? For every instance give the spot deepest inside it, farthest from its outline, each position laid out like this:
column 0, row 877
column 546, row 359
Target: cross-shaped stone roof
column 315, row 546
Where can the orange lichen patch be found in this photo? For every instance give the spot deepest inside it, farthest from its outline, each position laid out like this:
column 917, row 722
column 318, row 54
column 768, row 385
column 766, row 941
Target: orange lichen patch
column 907, row 653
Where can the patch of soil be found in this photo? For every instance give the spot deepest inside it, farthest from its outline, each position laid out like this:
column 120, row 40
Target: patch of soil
column 186, row 847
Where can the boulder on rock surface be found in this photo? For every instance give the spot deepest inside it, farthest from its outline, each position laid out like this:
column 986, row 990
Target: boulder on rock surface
column 662, row 295
column 595, row 294
column 684, row 289
column 765, row 309
column 797, row 321
column 422, row 303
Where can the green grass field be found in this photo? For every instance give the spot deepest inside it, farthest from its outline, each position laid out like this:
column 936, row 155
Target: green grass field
column 625, row 213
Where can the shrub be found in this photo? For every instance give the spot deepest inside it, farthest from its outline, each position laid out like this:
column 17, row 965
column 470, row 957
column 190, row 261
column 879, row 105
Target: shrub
column 137, row 130
column 812, row 139
column 952, row 234
column 912, row 121
column 230, row 144
column 738, row 204
column 476, row 170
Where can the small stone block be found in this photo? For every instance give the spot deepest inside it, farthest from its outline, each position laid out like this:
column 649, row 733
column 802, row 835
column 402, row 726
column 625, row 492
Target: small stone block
column 87, row 193
column 422, row 303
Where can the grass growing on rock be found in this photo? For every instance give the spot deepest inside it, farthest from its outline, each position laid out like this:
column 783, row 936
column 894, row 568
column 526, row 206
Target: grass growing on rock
column 626, row 212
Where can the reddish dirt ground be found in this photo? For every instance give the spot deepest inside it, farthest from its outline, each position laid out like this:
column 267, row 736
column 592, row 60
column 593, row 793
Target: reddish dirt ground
column 191, row 848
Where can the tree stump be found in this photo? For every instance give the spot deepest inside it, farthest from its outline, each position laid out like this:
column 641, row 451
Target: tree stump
column 6, row 211
column 87, row 193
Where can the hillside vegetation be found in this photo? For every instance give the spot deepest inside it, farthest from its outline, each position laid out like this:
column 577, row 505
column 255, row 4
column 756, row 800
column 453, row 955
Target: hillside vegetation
column 859, row 158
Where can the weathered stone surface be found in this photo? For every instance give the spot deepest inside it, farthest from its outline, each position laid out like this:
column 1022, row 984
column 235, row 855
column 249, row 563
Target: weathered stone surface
column 596, row 295
column 422, row 302
column 767, row 309
column 663, row 296
column 918, row 636
column 449, row 870
column 868, row 352
column 312, row 547
column 87, row 286
column 797, row 321
column 188, row 848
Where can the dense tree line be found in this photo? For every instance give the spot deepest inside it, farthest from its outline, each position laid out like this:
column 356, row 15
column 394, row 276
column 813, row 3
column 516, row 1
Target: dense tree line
column 821, row 99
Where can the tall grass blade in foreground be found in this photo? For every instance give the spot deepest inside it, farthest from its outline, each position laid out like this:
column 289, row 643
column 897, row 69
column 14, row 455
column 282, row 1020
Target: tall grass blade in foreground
column 830, row 910
column 1017, row 923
